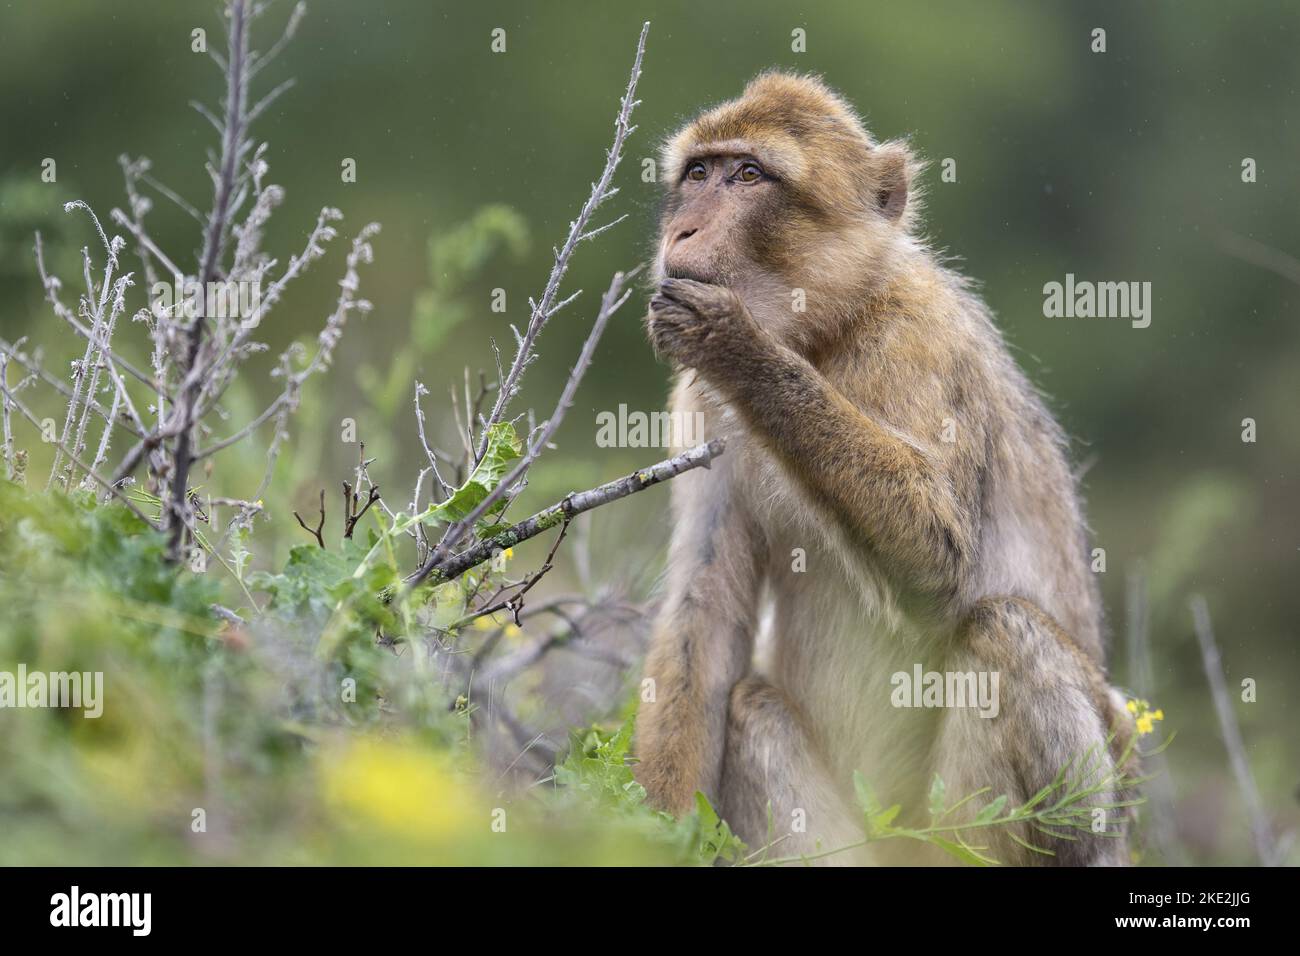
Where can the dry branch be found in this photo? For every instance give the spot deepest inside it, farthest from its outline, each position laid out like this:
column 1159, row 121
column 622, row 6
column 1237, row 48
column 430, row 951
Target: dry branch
column 572, row 505
column 1259, row 826
column 546, row 307
column 542, row 311
column 196, row 354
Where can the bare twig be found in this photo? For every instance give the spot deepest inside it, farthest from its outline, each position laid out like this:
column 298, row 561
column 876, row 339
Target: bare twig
column 327, row 341
column 515, row 603
column 1138, row 616
column 174, row 197
column 613, row 299
column 142, row 237
column 8, row 431
column 316, row 532
column 424, row 443
column 258, row 62
column 570, row 507
column 90, row 472
column 96, row 311
column 227, row 615
column 233, row 132
column 542, row 311
column 1261, row 255
column 195, row 354
column 351, row 500
column 546, row 307
column 1259, row 826
column 13, row 351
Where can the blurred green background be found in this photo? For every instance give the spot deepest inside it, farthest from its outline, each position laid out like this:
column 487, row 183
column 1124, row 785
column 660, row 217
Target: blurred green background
column 1117, row 166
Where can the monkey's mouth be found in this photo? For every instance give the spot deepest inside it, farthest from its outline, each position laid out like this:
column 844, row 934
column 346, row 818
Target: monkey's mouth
column 696, row 275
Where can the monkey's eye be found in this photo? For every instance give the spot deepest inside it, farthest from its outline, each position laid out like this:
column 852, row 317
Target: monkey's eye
column 697, row 172
column 749, row 173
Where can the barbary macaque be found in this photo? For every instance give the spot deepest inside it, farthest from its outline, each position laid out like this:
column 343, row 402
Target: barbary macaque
column 895, row 498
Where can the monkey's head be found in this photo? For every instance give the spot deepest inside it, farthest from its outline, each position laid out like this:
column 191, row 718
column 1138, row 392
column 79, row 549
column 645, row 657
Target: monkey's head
column 783, row 189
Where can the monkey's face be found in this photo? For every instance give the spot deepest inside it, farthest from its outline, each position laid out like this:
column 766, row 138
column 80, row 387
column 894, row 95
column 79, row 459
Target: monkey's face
column 782, row 197
column 711, row 217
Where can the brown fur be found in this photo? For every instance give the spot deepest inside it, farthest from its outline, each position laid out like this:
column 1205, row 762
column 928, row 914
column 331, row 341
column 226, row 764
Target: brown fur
column 968, row 554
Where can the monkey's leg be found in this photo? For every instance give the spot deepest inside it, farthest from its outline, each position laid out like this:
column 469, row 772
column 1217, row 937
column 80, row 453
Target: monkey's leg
column 1053, row 711
column 702, row 644
column 775, row 791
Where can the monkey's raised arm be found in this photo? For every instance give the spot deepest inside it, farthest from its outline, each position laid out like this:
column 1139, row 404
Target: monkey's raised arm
column 898, row 498
column 702, row 643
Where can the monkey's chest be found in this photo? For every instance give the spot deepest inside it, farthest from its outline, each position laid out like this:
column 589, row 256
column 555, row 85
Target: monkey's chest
column 836, row 643
column 835, row 636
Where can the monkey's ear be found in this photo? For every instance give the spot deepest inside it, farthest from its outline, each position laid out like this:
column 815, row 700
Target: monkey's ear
column 893, row 180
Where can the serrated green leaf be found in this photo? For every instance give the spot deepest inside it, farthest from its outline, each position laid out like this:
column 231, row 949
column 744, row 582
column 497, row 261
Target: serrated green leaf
column 716, row 841
column 503, row 450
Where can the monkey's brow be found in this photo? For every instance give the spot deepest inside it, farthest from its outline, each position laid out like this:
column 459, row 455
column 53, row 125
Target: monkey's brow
column 774, row 167
column 741, row 149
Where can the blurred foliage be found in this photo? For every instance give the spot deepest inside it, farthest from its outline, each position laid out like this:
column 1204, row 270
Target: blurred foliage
column 250, row 727
column 1124, row 165
column 27, row 210
column 455, row 260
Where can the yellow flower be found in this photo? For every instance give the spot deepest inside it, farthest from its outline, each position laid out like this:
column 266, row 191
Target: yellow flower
column 399, row 787
column 1144, row 717
column 508, row 553
column 512, row 630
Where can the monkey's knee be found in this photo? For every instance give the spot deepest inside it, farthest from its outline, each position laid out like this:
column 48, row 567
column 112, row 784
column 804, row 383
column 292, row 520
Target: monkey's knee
column 1048, row 724
column 775, row 790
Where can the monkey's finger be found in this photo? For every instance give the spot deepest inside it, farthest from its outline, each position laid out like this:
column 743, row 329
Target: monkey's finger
column 661, row 305
column 682, row 290
column 677, row 290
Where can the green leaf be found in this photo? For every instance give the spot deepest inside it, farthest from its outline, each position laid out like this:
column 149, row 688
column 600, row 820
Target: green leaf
column 938, row 795
column 960, row 851
column 992, row 811
column 597, row 764
column 879, row 825
column 1030, row 846
column 503, row 449
column 866, row 797
column 448, row 604
column 1038, row 798
column 716, row 841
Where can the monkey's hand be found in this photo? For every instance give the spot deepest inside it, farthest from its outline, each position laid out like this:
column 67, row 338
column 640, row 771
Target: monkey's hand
column 699, row 325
